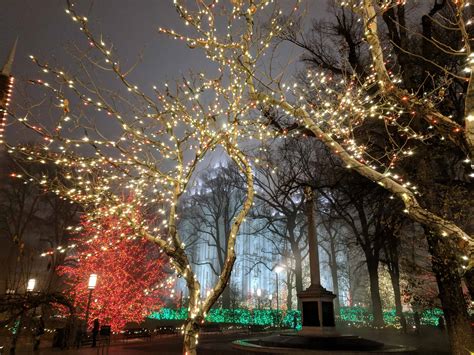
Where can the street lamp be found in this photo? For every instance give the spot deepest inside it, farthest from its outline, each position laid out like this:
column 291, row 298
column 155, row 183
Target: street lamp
column 259, row 294
column 30, row 286
column 91, row 286
column 278, row 269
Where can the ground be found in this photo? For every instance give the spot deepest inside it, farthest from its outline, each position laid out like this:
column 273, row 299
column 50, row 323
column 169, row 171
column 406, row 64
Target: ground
column 430, row 341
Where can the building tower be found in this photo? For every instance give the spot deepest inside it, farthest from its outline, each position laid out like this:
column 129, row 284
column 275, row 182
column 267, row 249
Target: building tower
column 6, row 90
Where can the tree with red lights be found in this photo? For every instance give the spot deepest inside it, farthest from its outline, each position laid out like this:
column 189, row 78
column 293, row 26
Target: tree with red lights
column 131, row 279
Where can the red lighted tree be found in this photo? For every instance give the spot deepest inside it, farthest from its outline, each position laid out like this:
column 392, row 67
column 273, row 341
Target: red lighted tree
column 131, row 278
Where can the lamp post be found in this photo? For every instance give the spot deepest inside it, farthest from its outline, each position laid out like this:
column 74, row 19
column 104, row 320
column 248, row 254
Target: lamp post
column 30, row 286
column 259, row 294
column 91, row 286
column 278, row 269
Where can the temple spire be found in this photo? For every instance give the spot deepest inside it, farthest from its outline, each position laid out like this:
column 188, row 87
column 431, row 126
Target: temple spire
column 7, row 67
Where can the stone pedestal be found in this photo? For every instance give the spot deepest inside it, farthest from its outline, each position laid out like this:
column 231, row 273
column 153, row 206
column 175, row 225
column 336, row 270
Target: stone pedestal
column 317, row 310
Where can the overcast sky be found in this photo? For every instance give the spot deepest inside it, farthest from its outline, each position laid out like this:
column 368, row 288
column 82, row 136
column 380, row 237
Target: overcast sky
column 45, row 30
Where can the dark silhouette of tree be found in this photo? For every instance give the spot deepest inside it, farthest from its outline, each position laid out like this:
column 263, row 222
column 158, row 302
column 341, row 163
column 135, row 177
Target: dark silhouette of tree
column 208, row 214
column 280, row 205
column 421, row 69
column 33, row 220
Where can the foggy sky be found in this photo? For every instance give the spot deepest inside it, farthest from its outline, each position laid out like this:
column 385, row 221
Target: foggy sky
column 45, row 30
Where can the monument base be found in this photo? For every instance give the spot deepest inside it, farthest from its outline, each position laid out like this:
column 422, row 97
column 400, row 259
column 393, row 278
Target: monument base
column 317, row 309
column 319, row 331
column 297, row 343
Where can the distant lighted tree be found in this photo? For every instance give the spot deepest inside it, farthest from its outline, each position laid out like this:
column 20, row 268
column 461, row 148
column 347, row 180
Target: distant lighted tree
column 131, row 274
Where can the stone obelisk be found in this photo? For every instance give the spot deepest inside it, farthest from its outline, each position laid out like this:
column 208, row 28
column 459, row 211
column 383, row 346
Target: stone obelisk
column 317, row 306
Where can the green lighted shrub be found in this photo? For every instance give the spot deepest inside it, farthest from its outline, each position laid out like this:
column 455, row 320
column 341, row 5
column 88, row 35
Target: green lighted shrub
column 431, row 316
column 270, row 317
column 265, row 317
column 362, row 316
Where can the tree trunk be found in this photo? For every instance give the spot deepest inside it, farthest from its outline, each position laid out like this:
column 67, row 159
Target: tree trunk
column 335, row 281
column 395, row 279
column 298, row 271
column 335, row 288
column 469, row 280
column 289, row 294
column 298, row 276
column 445, row 267
column 225, row 297
column 191, row 333
column 372, row 268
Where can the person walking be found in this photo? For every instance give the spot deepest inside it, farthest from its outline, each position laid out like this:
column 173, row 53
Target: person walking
column 441, row 323
column 39, row 331
column 295, row 321
column 417, row 320
column 95, row 332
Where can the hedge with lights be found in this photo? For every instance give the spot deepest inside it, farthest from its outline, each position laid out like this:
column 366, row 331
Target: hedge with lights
column 356, row 316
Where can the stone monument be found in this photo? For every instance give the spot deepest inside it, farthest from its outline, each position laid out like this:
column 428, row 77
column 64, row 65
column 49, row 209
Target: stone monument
column 317, row 308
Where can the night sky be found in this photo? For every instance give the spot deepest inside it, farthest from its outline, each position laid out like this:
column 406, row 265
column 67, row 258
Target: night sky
column 45, row 31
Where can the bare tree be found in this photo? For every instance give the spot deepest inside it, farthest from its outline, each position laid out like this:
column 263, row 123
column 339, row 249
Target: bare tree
column 280, row 205
column 210, row 209
column 117, row 139
column 20, row 204
column 34, row 219
column 332, row 240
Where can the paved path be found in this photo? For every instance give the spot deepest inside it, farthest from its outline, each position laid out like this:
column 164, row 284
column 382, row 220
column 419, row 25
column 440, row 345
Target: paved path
column 429, row 342
column 168, row 345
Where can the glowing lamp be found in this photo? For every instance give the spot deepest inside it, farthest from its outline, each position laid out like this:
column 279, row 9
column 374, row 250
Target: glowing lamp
column 31, row 285
column 92, row 281
column 279, row 269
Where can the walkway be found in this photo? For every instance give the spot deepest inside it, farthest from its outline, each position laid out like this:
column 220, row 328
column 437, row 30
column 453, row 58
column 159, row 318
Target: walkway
column 429, row 342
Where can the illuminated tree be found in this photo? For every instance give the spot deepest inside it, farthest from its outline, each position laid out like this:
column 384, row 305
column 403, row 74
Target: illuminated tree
column 164, row 134
column 151, row 141
column 334, row 108
column 131, row 273
column 425, row 74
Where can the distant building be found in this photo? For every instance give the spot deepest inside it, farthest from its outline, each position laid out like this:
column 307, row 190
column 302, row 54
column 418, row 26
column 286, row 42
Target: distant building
column 253, row 279
column 252, row 276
